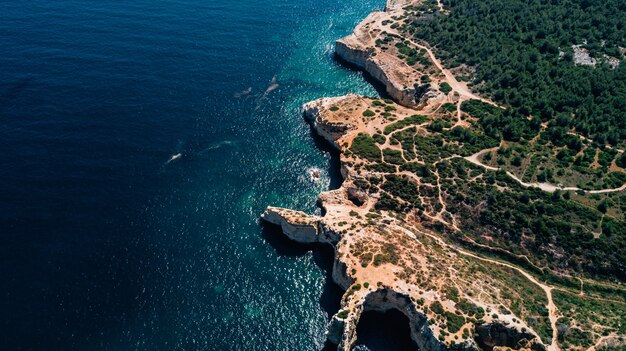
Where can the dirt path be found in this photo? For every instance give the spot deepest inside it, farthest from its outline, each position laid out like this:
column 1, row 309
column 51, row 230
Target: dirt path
column 454, row 83
column 543, row 186
column 623, row 187
column 474, row 158
column 601, row 340
column 552, row 310
column 440, row 5
column 459, row 120
column 591, row 141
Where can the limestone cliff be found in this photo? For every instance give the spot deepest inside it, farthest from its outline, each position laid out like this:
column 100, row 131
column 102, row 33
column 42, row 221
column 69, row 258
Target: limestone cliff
column 357, row 50
column 366, row 48
column 384, row 256
column 381, row 260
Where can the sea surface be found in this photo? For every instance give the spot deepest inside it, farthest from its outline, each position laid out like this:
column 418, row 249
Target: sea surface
column 139, row 144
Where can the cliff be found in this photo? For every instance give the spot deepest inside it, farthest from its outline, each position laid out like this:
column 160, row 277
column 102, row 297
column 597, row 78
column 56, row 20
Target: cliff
column 388, row 262
column 377, row 287
column 385, row 258
column 367, row 49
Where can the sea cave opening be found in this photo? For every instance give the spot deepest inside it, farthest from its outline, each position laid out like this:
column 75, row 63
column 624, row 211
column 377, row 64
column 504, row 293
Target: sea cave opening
column 384, row 331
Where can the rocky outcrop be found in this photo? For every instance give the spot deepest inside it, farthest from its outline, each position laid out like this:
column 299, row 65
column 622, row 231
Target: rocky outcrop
column 300, row 227
column 357, row 196
column 381, row 67
column 342, row 327
column 383, row 300
column 489, row 336
column 331, row 131
column 384, row 260
column 334, row 331
column 340, row 274
column 304, row 228
column 361, row 49
column 296, row 225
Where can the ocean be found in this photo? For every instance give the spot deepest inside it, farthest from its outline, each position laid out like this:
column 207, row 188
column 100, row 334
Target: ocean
column 139, row 144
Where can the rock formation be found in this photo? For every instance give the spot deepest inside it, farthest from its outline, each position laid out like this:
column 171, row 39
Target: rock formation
column 386, row 259
column 384, row 262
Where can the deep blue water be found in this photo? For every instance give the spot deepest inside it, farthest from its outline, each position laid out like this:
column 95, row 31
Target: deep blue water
column 104, row 244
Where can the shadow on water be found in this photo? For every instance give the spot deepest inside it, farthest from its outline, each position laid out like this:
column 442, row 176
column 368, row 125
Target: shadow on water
column 378, row 86
column 388, row 331
column 328, row 346
column 323, row 255
column 334, row 167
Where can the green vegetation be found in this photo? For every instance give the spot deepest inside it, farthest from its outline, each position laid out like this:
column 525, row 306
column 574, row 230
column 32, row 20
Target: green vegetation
column 522, row 54
column 581, row 314
column 411, row 120
column 445, row 88
column 437, row 307
column 552, row 230
column 389, row 254
column 403, row 188
column 412, row 56
column 471, row 140
column 450, row 107
column 528, row 221
column 365, row 146
column 499, row 123
column 393, row 156
column 379, row 138
column 471, row 309
column 369, row 113
column 455, row 322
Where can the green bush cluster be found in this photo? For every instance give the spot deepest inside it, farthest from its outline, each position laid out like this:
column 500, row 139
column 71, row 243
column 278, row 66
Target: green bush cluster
column 393, row 156
column 411, row 120
column 365, row 147
column 522, row 54
column 445, row 88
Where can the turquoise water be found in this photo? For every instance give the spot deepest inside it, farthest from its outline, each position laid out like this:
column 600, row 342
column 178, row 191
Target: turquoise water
column 105, row 244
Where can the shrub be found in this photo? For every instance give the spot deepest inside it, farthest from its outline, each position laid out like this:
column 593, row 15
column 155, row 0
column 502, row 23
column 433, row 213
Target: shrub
column 621, row 160
column 343, row 314
column 414, row 119
column 393, row 156
column 445, row 88
column 437, row 307
column 379, row 138
column 369, row 113
column 455, row 322
column 449, row 107
column 364, row 146
column 402, row 187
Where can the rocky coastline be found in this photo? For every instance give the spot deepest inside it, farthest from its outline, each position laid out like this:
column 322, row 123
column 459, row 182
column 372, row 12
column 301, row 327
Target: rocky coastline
column 348, row 226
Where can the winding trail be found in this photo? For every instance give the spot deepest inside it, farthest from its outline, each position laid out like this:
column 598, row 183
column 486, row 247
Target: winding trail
column 601, row 340
column 543, row 186
column 552, row 310
column 450, row 78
